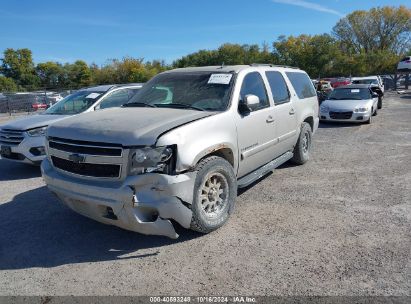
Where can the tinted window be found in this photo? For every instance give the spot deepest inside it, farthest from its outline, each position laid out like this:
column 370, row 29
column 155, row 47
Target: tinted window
column 278, row 86
column 187, row 90
column 302, row 84
column 115, row 99
column 350, row 94
column 75, row 103
column 253, row 85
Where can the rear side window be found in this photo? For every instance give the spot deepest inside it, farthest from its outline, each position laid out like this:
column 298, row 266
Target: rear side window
column 302, row 84
column 278, row 86
column 253, row 84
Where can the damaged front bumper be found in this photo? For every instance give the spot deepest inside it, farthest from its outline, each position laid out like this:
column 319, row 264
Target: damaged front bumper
column 142, row 203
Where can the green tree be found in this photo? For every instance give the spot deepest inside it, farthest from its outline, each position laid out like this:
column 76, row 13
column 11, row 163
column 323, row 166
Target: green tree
column 315, row 54
column 78, row 74
column 7, row 84
column 18, row 65
column 379, row 29
column 52, row 74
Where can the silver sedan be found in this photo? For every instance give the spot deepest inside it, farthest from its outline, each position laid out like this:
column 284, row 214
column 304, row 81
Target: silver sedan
column 352, row 103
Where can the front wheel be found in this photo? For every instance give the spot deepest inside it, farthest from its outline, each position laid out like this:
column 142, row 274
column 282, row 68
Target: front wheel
column 303, row 147
column 215, row 191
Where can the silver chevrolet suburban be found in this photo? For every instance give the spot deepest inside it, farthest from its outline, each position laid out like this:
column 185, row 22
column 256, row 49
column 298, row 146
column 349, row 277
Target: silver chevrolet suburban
column 182, row 146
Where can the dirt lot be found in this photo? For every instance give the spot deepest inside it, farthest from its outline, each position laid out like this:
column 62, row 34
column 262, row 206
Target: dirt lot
column 339, row 225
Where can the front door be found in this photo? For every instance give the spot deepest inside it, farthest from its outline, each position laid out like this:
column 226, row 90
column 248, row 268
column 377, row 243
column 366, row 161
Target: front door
column 255, row 130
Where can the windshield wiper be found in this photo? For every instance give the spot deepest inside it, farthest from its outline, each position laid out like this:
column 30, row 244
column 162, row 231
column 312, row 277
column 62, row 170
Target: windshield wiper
column 179, row 106
column 138, row 104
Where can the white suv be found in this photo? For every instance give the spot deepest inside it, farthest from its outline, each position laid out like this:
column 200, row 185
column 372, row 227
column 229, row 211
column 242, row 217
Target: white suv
column 182, row 146
column 22, row 140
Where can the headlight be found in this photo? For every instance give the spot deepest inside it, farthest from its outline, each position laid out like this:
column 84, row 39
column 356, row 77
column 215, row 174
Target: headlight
column 37, row 131
column 149, row 159
column 324, row 109
column 361, row 110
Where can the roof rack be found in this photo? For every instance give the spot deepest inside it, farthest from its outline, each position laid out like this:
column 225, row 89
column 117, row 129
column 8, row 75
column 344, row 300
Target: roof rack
column 274, row 65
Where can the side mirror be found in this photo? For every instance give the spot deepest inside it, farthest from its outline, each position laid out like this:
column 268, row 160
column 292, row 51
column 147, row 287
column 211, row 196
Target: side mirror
column 251, row 101
column 246, row 106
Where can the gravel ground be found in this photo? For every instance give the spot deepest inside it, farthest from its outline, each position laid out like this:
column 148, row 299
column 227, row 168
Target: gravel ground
column 339, row 225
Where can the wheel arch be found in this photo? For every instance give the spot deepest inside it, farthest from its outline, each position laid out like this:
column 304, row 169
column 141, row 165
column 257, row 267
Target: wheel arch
column 224, row 151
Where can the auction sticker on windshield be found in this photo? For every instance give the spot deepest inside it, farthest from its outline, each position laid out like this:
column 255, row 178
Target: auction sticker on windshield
column 220, row 78
column 93, row 95
column 355, row 91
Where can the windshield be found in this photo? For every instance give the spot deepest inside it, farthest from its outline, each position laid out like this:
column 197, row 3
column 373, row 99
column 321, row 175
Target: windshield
column 350, row 94
column 75, row 103
column 365, row 81
column 198, row 90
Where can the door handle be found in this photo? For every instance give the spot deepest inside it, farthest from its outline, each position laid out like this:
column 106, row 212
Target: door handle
column 292, row 112
column 269, row 119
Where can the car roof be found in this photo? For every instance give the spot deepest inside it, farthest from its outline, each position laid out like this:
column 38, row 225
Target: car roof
column 365, row 77
column 354, row 86
column 105, row 88
column 231, row 68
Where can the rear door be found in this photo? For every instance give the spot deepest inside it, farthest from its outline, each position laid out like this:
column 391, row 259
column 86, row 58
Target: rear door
column 284, row 113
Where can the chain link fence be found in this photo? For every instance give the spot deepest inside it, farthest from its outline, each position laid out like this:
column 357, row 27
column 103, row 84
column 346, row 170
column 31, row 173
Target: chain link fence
column 30, row 102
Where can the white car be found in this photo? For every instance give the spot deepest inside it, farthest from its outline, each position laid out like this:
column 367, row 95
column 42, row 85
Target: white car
column 352, row 103
column 404, row 64
column 23, row 140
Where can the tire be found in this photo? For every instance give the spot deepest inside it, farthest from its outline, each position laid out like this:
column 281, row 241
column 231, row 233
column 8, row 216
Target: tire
column 369, row 121
column 379, row 102
column 303, row 147
column 211, row 209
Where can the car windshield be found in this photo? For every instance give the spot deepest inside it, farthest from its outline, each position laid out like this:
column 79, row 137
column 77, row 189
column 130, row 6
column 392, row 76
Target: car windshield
column 350, row 94
column 205, row 91
column 365, row 81
column 75, row 103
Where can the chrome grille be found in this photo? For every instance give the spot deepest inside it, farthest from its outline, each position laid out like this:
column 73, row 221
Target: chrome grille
column 11, row 137
column 87, row 159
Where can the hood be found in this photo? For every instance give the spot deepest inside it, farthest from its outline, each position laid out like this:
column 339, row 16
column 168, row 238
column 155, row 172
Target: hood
column 125, row 126
column 32, row 121
column 348, row 105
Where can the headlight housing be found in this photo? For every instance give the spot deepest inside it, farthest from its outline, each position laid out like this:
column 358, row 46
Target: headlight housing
column 150, row 159
column 324, row 109
column 361, row 110
column 41, row 131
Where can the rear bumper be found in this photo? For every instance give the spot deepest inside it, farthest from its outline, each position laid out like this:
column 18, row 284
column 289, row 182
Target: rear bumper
column 142, row 203
column 23, row 152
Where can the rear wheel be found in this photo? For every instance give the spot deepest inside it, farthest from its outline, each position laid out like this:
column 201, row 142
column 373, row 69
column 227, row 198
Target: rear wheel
column 303, row 147
column 215, row 191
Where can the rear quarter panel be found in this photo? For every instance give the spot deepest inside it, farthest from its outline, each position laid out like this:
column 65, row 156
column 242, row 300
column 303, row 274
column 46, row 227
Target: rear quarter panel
column 304, row 108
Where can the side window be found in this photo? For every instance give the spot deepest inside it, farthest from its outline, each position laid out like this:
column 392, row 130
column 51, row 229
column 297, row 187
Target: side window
column 302, row 84
column 132, row 92
column 115, row 99
column 253, row 84
column 278, row 87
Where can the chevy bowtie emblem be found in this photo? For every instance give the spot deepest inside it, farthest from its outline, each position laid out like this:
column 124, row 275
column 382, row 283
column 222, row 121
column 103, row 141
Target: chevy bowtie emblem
column 77, row 158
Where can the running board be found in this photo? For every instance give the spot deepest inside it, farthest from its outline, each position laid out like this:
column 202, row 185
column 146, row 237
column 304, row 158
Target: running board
column 260, row 172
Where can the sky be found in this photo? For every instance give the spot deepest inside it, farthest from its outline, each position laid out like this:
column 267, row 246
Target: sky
column 96, row 31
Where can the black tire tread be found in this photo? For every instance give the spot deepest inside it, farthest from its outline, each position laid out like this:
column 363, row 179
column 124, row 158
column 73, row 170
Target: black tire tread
column 298, row 158
column 196, row 224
